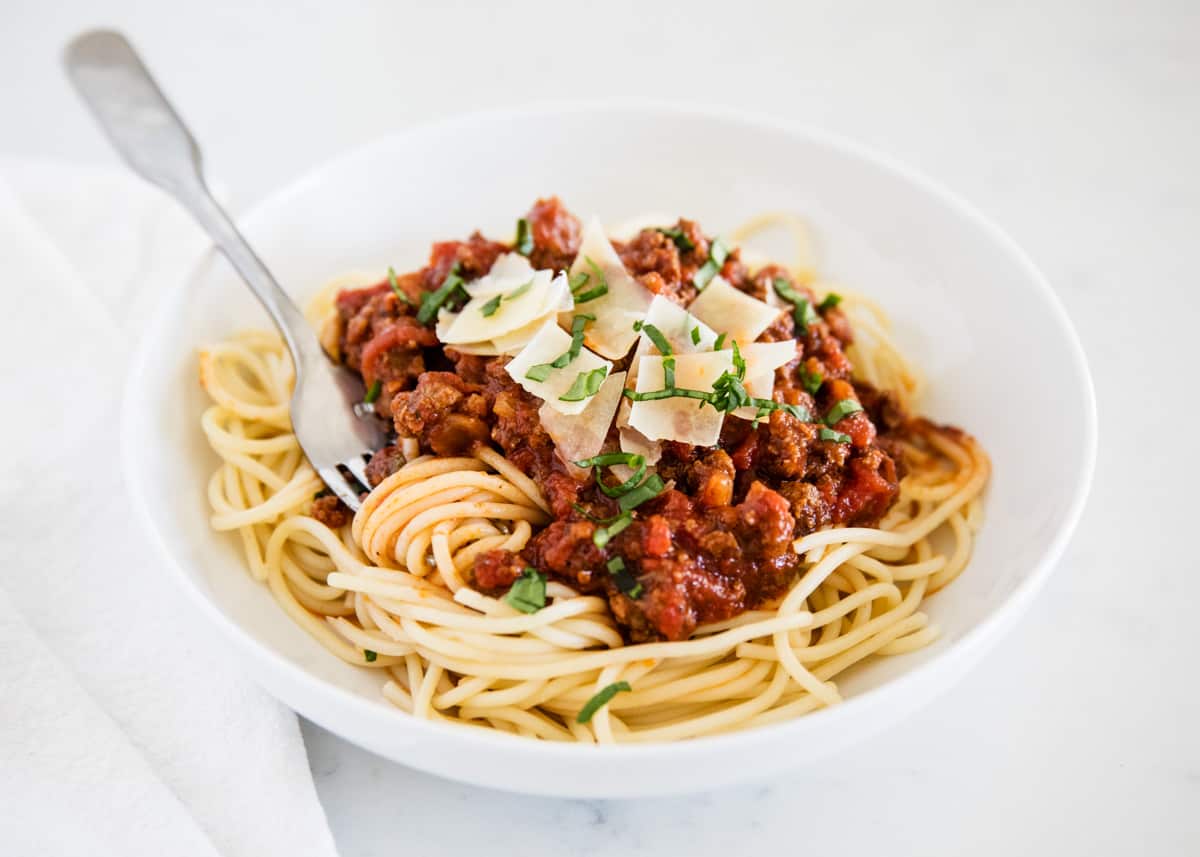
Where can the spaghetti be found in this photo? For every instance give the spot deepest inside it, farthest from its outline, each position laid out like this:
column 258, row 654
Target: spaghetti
column 391, row 590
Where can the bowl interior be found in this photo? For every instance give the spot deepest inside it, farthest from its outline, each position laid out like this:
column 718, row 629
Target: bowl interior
column 999, row 356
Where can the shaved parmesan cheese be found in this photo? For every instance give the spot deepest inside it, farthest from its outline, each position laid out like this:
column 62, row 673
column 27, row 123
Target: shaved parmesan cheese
column 736, row 313
column 580, row 436
column 511, row 343
column 678, row 418
column 626, row 301
column 483, row 349
column 762, row 359
column 547, row 344
column 510, row 271
column 512, row 313
column 633, row 441
column 676, row 324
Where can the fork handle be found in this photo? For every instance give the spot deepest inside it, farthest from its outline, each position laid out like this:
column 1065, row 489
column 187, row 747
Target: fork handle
column 152, row 138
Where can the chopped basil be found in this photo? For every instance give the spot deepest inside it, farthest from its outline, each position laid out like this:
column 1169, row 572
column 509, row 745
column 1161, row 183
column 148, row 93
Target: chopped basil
column 830, row 301
column 608, row 459
column 681, row 239
column 519, row 290
column 433, row 301
column 400, row 295
column 695, row 336
column 604, row 535
column 623, row 578
column 489, row 308
column 717, row 254
column 524, row 241
column 528, row 592
column 600, row 700
column 373, row 393
column 629, row 484
column 841, row 410
column 804, row 314
column 597, row 291
column 835, row 436
column 648, row 490
column 811, row 381
column 802, row 309
column 720, row 343
column 541, row 371
column 660, row 342
column 586, row 385
column 370, row 656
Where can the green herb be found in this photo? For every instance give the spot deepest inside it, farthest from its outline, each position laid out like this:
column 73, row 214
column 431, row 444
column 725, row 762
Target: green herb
column 524, row 241
column 578, row 281
column 608, row 459
column 600, row 700
column 433, row 301
column 528, row 592
column 541, row 371
column 370, row 656
column 624, row 580
column 489, row 308
column 597, row 291
column 720, row 343
column 586, row 385
column 835, row 436
column 373, row 393
column 668, row 365
column 811, row 381
column 604, row 535
column 400, row 295
column 802, row 309
column 681, row 239
column 519, row 290
column 695, row 336
column 648, row 490
column 656, row 337
column 830, row 301
column 841, row 410
column 717, row 254
column 639, row 465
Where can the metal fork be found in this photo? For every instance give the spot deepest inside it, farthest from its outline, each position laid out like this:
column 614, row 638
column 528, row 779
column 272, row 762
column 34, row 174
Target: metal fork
column 153, row 140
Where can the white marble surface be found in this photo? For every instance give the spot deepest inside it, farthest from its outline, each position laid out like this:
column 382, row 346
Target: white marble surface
column 1076, row 126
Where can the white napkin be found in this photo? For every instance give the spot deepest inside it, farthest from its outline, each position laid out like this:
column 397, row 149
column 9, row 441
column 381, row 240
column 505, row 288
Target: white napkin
column 125, row 728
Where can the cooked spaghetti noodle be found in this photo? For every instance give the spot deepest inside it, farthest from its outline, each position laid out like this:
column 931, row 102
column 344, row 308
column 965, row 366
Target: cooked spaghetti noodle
column 391, row 591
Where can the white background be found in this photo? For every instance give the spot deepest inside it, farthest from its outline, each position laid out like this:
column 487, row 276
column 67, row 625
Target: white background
column 1076, row 126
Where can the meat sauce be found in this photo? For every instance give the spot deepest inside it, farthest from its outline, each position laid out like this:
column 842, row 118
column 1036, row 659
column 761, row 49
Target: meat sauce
column 717, row 542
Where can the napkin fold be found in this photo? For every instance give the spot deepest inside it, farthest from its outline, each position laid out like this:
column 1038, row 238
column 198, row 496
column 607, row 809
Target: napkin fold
column 125, row 728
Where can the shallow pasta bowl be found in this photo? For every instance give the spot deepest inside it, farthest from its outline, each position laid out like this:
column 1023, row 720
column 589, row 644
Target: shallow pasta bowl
column 959, row 292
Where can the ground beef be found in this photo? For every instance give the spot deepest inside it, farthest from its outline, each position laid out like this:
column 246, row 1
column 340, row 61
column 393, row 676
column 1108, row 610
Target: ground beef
column 446, row 415
column 331, row 511
column 495, row 571
column 383, row 464
column 555, row 233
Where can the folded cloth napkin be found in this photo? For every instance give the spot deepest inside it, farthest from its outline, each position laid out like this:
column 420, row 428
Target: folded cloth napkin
column 125, row 729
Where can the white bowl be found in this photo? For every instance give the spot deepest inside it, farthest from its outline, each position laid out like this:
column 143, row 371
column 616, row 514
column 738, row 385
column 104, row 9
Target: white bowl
column 1001, row 357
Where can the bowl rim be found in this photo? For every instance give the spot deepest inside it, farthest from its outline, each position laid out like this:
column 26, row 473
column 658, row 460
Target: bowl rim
column 972, row 643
